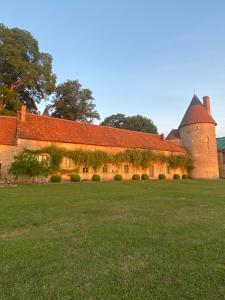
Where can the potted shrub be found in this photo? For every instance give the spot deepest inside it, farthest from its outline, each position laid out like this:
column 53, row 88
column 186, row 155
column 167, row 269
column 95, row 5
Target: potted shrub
column 96, row 177
column 56, row 178
column 144, row 177
column 162, row 176
column 75, row 177
column 185, row 176
column 118, row 177
column 136, row 177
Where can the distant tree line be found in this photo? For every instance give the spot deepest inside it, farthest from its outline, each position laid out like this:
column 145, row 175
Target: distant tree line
column 26, row 77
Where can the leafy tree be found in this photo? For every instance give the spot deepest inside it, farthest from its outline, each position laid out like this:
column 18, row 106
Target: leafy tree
column 135, row 123
column 26, row 75
column 116, row 121
column 27, row 164
column 73, row 102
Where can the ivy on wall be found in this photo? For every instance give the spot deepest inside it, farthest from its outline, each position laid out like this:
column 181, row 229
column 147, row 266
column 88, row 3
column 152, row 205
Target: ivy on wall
column 97, row 158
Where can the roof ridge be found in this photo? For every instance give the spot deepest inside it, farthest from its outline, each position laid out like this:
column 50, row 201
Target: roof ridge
column 96, row 125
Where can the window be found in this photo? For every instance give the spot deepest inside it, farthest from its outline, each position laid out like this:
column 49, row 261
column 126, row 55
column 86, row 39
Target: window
column 67, row 162
column 85, row 169
column 168, row 170
column 42, row 157
column 126, row 168
column 105, row 169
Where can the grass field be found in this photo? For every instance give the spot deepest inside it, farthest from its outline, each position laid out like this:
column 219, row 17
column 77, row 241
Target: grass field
column 118, row 240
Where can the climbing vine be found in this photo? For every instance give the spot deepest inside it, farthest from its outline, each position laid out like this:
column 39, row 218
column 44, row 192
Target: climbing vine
column 97, row 158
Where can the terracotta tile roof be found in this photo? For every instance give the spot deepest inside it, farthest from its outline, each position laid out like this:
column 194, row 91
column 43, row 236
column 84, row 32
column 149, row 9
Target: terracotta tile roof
column 7, row 130
column 196, row 113
column 174, row 134
column 57, row 130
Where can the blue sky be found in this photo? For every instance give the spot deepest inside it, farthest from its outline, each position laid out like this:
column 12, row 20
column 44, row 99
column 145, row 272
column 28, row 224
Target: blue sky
column 137, row 56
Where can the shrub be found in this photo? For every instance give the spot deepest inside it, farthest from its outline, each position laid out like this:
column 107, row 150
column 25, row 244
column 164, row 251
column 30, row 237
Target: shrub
column 118, row 177
column 96, row 177
column 162, row 176
column 56, row 178
column 176, row 176
column 144, row 177
column 27, row 164
column 75, row 177
column 185, row 176
column 136, row 177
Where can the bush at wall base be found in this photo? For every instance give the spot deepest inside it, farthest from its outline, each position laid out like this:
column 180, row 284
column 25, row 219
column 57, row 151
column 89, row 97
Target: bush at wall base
column 75, row 177
column 162, row 176
column 118, row 177
column 144, row 177
column 56, row 178
column 136, row 177
column 185, row 176
column 176, row 176
column 96, row 177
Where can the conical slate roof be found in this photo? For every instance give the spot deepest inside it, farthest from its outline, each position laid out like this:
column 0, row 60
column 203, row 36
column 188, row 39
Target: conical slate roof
column 196, row 113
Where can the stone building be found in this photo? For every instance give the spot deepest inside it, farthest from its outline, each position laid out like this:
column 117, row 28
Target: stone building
column 221, row 156
column 195, row 136
column 196, row 133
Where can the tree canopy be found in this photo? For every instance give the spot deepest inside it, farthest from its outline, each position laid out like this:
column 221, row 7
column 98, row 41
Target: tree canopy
column 26, row 75
column 135, row 123
column 72, row 102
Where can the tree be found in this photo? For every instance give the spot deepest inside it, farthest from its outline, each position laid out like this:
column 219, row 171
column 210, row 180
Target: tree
column 116, row 121
column 135, row 123
column 27, row 164
column 26, row 75
column 74, row 103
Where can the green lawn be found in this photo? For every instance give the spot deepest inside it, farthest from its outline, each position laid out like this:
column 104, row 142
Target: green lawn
column 118, row 240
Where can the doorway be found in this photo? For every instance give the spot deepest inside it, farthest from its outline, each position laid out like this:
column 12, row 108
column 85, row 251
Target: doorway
column 151, row 171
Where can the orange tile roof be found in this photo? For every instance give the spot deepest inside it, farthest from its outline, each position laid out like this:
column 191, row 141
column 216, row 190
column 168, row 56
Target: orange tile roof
column 50, row 129
column 45, row 128
column 196, row 113
column 7, row 130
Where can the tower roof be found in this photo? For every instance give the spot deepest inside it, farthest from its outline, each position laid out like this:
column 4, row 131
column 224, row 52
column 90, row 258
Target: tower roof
column 196, row 113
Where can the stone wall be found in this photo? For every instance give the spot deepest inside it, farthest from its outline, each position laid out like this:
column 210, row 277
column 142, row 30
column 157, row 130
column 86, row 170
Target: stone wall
column 6, row 157
column 7, row 153
column 200, row 140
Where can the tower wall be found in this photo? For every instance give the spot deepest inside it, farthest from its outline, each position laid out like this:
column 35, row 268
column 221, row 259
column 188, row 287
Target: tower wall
column 200, row 140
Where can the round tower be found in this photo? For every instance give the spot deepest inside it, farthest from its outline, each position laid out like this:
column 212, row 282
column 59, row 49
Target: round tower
column 197, row 132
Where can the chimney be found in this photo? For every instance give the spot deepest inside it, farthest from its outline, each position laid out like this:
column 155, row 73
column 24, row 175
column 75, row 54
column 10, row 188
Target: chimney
column 206, row 104
column 162, row 137
column 23, row 113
